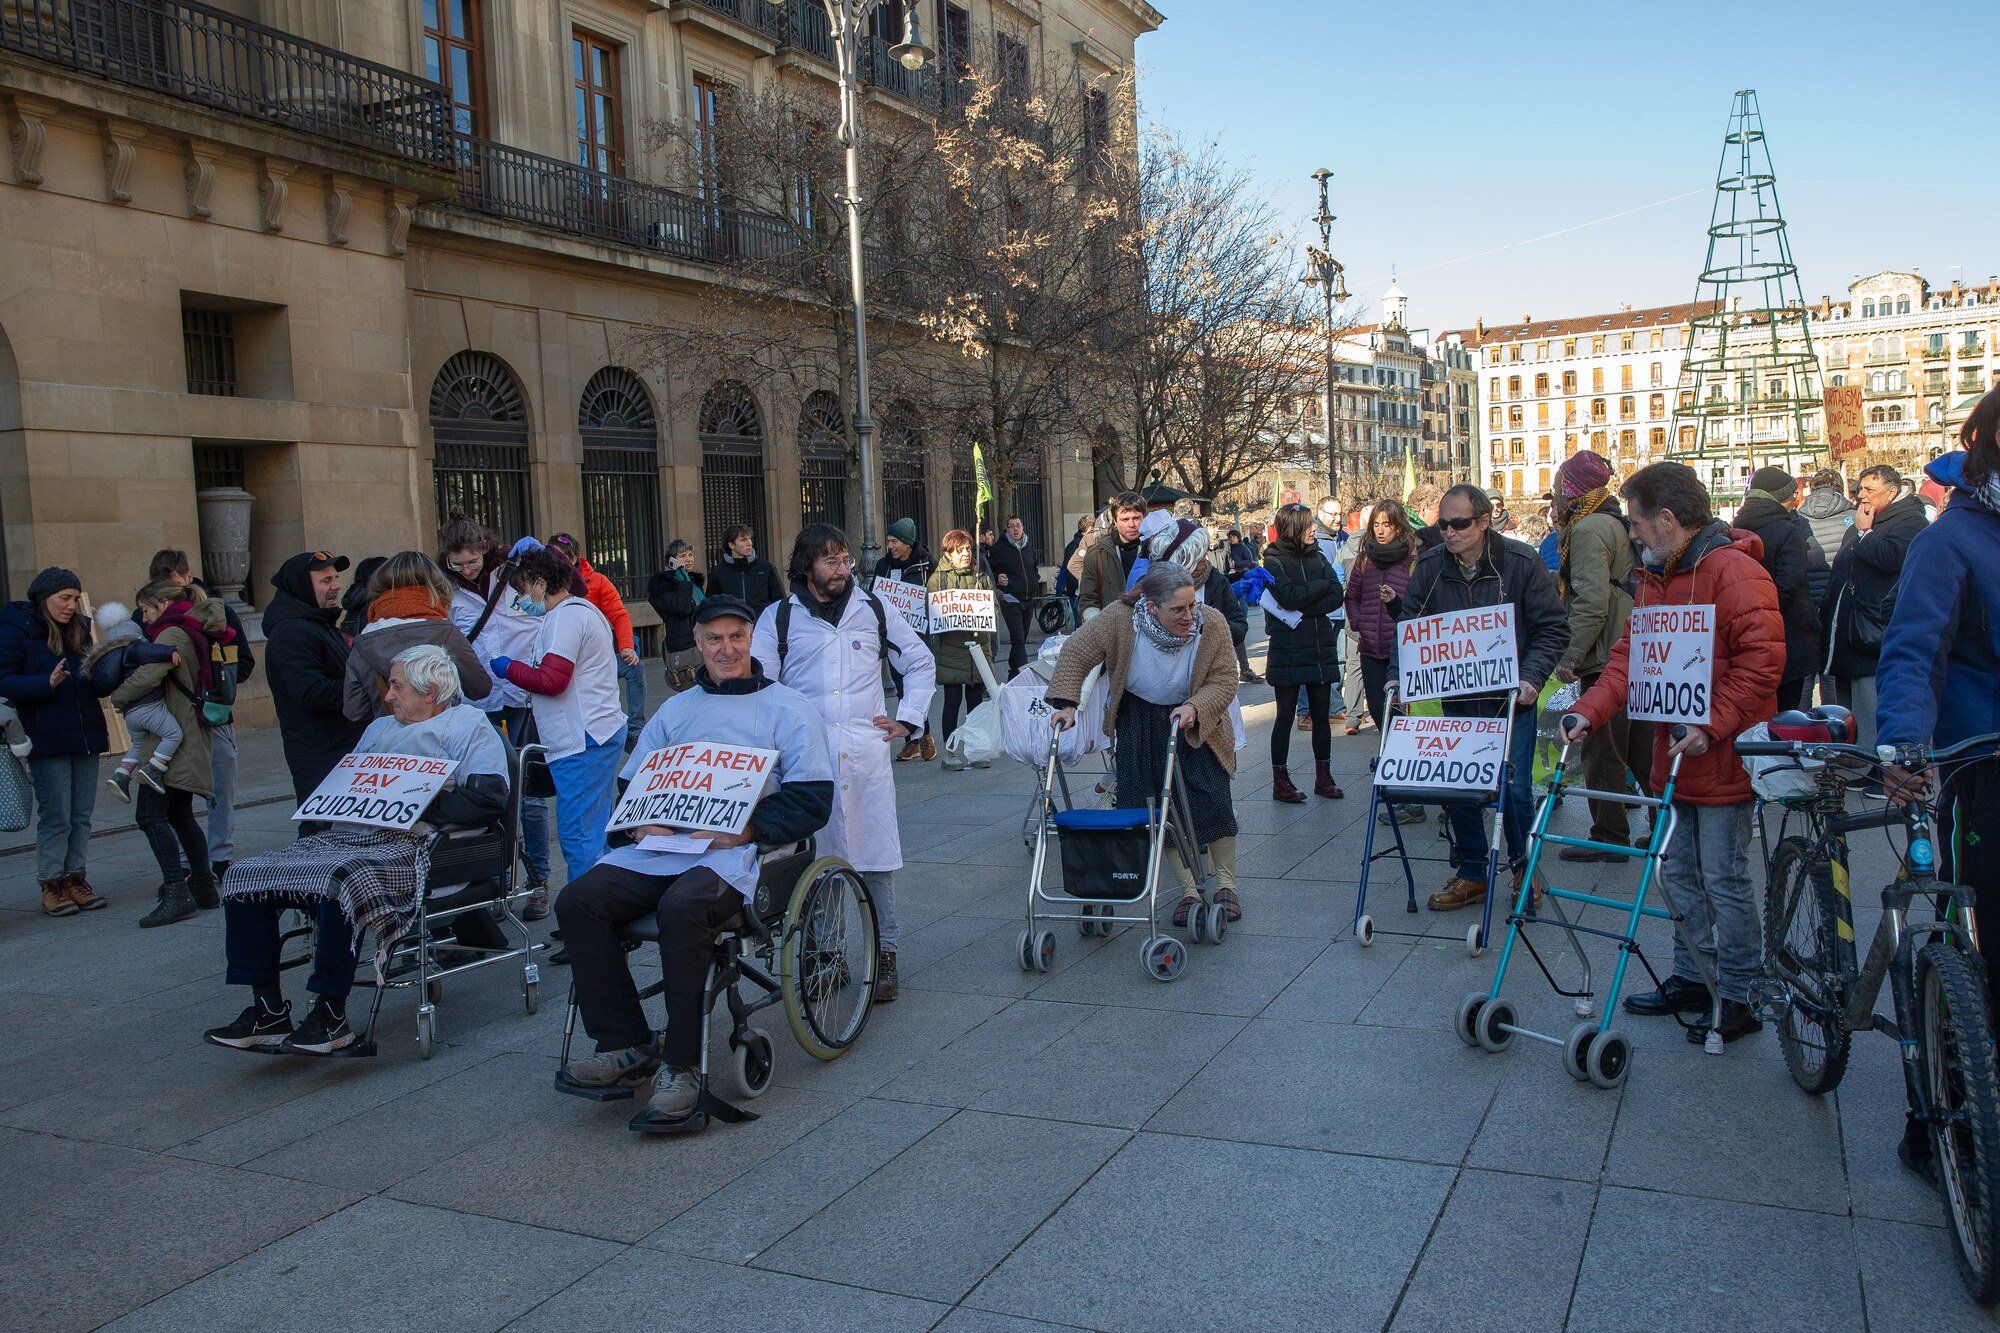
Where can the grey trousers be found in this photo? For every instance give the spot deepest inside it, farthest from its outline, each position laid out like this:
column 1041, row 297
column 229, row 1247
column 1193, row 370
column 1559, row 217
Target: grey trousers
column 1711, row 847
column 882, row 890
column 222, row 806
column 1857, row 695
column 1353, row 696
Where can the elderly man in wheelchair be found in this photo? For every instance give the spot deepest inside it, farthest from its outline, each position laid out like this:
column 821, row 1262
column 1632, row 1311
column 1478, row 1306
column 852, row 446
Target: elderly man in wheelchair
column 355, row 878
column 808, row 920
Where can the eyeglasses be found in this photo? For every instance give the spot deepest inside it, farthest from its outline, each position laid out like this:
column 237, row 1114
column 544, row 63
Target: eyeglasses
column 1456, row 524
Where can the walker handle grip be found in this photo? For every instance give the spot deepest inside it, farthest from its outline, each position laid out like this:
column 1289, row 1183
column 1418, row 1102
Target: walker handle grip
column 1680, row 731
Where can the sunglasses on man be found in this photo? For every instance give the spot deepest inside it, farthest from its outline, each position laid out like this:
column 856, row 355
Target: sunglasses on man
column 1456, row 524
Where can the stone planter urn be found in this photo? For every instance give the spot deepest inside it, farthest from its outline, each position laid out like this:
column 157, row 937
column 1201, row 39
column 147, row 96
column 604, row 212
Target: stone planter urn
column 223, row 513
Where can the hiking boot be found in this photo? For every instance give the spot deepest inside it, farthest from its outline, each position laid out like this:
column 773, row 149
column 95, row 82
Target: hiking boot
column 1458, row 891
column 537, row 905
column 56, row 900
column 153, row 775
column 912, row 749
column 676, row 1093
column 1737, row 1021
column 1305, row 722
column 201, row 888
column 887, row 984
column 930, row 748
column 121, row 782
column 1676, row 995
column 1324, row 785
column 323, row 1032
column 1282, row 788
column 78, row 888
column 255, row 1029
column 175, row 904
column 625, row 1068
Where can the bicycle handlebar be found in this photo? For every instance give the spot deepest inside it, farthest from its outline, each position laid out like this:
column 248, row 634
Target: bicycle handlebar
column 1908, row 756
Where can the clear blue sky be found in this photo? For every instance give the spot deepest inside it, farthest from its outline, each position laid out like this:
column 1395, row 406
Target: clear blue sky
column 1455, row 128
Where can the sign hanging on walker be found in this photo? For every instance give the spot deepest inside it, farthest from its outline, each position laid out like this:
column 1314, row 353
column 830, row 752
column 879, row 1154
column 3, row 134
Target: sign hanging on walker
column 697, row 786
column 1457, row 652
column 962, row 609
column 379, row 790
column 908, row 600
column 1452, row 753
column 1672, row 667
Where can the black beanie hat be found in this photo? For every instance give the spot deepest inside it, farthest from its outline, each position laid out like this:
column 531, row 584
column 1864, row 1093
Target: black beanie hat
column 1775, row 482
column 51, row 581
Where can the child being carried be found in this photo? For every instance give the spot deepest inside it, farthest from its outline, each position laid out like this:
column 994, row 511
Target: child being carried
column 125, row 649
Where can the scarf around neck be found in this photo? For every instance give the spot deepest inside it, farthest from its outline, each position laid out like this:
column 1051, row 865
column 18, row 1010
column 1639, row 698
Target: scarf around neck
column 1582, row 507
column 1147, row 625
column 414, row 603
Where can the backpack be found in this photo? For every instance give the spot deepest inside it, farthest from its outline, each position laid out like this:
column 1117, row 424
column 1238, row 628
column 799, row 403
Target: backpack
column 785, row 628
column 215, row 704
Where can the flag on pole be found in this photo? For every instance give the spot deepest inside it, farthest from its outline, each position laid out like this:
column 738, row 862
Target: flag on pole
column 979, row 473
column 1277, row 493
column 1409, row 472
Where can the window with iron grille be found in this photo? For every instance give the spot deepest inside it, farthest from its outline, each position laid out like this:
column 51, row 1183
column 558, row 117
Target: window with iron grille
column 621, row 479
column 479, row 420
column 217, row 467
column 903, row 493
column 732, row 465
column 209, row 337
column 823, row 471
column 1031, row 502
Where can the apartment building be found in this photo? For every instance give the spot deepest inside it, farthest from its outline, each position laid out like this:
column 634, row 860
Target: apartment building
column 296, row 274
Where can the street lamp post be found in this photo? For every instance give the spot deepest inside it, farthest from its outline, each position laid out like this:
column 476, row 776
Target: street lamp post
column 1326, row 273
column 848, row 21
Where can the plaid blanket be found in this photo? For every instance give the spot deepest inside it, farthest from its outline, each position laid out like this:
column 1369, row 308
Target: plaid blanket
column 374, row 875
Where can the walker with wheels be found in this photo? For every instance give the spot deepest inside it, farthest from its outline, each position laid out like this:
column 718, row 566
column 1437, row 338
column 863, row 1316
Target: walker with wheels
column 1111, row 864
column 1394, row 799
column 1593, row 1050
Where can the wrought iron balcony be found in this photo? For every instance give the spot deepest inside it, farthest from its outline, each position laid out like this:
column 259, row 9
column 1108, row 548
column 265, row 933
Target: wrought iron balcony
column 208, row 56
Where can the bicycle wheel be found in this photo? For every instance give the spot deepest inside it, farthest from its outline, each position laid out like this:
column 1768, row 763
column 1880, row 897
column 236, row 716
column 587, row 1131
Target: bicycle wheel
column 1809, row 933
column 827, row 957
column 1955, row 1056
column 1051, row 616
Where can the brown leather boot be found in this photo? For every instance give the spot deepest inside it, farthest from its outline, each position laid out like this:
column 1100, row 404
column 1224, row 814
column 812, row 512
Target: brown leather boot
column 1324, row 785
column 56, row 899
column 79, row 891
column 1282, row 788
column 1458, row 891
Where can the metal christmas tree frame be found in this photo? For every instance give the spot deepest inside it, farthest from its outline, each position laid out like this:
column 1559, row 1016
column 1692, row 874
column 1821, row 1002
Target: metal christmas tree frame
column 1750, row 384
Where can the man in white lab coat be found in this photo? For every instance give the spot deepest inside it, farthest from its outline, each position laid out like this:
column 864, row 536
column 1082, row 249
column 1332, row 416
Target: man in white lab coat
column 828, row 640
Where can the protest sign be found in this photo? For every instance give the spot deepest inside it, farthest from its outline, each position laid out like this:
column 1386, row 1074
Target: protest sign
column 1452, row 753
column 696, row 786
column 1457, row 652
column 380, row 790
column 962, row 609
column 906, row 599
column 1672, row 664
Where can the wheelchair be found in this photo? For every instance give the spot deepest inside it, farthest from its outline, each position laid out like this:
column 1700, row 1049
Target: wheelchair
column 807, row 941
column 480, row 862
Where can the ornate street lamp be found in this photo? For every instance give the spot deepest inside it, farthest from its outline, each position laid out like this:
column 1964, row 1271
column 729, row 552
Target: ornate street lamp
column 848, row 21
column 1326, row 273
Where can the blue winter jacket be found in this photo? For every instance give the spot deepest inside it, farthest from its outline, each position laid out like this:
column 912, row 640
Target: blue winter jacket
column 1938, row 678
column 65, row 720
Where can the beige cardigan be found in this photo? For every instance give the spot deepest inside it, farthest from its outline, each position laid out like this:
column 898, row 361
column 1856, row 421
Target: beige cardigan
column 1106, row 640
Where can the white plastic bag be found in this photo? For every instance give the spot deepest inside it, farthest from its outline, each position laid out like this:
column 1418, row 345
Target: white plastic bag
column 1024, row 711
column 978, row 738
column 1777, row 777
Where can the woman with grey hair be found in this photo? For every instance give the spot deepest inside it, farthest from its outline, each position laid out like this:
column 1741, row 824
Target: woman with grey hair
column 356, row 877
column 1166, row 659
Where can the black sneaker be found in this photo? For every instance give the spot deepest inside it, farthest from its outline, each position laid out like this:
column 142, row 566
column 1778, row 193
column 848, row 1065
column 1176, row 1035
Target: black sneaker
column 1737, row 1021
column 887, row 984
column 1676, row 995
column 323, row 1033
column 255, row 1029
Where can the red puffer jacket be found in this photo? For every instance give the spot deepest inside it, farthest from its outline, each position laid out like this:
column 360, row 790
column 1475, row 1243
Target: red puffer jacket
column 1366, row 612
column 1722, row 567
column 604, row 596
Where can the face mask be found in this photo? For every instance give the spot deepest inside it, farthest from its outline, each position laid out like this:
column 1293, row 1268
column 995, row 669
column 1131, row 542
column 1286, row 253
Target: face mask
column 528, row 608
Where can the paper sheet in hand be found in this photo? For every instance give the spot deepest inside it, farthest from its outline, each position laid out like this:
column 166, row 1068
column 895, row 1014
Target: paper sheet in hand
column 1291, row 619
column 379, row 790
column 673, row 842
column 695, row 786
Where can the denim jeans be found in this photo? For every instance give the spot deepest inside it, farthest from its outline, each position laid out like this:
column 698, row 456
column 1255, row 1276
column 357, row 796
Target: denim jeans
column 250, row 943
column 586, row 791
column 65, row 798
column 1711, row 847
column 632, row 676
column 882, row 892
column 512, row 723
column 222, row 806
column 1517, row 805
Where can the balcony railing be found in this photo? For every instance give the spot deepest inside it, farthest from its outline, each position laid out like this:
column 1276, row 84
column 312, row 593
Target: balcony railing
column 205, row 55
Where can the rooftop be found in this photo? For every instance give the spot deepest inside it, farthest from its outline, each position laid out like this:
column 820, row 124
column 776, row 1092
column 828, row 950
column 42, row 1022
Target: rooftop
column 1651, row 317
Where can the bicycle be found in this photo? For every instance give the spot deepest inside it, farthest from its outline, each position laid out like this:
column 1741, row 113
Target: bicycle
column 1817, row 996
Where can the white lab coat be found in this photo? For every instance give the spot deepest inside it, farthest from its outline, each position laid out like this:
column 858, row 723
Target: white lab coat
column 839, row 670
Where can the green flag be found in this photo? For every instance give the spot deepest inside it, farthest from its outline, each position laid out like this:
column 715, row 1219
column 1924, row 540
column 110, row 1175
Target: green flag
column 979, row 472
column 1409, row 472
column 1277, row 492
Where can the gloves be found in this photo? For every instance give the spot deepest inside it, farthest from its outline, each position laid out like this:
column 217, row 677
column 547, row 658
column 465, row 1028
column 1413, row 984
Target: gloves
column 498, row 666
column 522, row 547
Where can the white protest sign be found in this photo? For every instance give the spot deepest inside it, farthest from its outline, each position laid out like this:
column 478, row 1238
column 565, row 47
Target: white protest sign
column 380, row 790
column 1453, row 753
column 1672, row 664
column 906, row 599
column 697, row 786
column 962, row 609
column 1457, row 652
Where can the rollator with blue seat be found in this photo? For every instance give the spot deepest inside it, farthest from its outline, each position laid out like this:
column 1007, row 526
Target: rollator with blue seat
column 1111, row 867
column 1395, row 798
column 1593, row 1050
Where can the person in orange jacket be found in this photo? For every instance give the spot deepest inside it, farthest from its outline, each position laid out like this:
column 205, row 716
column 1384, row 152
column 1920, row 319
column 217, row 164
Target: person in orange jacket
column 603, row 595
column 1690, row 558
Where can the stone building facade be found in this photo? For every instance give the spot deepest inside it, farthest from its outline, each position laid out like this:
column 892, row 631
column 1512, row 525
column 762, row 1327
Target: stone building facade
column 362, row 261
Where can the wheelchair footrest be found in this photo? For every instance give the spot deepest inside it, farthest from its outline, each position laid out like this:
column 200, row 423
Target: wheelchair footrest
column 616, row 1092
column 695, row 1121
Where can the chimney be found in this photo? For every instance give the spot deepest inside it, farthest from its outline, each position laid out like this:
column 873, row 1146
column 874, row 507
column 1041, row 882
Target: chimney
column 1957, row 291
column 1992, row 288
column 1479, row 326
column 1527, row 319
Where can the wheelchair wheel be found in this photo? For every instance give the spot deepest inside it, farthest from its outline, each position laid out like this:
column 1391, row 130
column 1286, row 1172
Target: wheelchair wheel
column 1050, row 616
column 827, row 955
column 753, row 1061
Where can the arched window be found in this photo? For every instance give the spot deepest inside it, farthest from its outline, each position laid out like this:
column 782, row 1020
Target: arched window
column 732, row 465
column 823, row 471
column 621, row 478
column 479, row 420
column 1895, row 412
column 1031, row 502
column 903, row 494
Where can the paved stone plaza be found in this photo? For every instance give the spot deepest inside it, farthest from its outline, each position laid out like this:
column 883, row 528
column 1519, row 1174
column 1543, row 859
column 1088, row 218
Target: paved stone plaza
column 1289, row 1137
